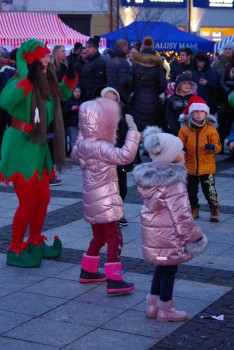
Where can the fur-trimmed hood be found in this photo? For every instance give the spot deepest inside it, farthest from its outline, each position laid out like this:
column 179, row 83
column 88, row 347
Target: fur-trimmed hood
column 98, row 119
column 182, row 78
column 147, row 59
column 161, row 174
column 183, row 120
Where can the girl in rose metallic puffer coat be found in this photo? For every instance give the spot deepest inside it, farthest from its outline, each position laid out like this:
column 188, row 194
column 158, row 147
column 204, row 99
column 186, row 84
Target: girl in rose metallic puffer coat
column 169, row 234
column 98, row 157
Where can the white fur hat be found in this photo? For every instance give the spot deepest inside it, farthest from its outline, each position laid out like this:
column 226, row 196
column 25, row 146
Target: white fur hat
column 110, row 89
column 162, row 147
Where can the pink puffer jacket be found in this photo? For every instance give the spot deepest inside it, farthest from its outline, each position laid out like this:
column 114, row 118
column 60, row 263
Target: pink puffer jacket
column 98, row 158
column 168, row 228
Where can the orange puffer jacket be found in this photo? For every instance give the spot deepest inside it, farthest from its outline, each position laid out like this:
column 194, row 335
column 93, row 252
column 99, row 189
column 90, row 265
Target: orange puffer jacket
column 199, row 161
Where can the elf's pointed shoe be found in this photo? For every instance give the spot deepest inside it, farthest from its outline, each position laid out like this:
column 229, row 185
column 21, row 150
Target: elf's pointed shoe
column 53, row 251
column 25, row 258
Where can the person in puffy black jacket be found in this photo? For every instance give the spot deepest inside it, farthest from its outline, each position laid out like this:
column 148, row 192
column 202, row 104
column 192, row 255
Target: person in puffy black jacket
column 206, row 79
column 176, row 104
column 147, row 81
column 94, row 70
column 113, row 58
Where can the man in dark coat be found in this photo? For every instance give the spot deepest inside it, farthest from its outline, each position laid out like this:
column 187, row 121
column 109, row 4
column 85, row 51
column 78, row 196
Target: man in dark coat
column 94, row 71
column 114, row 57
column 185, row 65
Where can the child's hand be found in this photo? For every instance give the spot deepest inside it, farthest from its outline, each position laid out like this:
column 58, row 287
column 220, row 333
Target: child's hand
column 210, row 147
column 130, row 122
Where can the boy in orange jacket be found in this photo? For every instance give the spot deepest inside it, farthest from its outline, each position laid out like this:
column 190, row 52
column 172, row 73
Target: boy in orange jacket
column 201, row 142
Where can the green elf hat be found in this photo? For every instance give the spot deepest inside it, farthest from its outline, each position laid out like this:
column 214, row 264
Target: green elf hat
column 30, row 51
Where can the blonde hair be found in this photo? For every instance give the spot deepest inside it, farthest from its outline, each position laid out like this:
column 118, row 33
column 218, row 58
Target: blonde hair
column 54, row 57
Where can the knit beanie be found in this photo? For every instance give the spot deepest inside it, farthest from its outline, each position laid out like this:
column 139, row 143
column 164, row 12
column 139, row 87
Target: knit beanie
column 196, row 103
column 30, row 51
column 147, row 45
column 110, row 89
column 228, row 45
column 162, row 147
column 94, row 41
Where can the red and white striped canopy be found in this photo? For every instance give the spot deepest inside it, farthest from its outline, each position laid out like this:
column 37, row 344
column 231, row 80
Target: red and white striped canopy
column 17, row 27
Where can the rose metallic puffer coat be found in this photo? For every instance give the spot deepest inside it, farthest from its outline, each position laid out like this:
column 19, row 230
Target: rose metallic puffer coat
column 168, row 229
column 98, row 158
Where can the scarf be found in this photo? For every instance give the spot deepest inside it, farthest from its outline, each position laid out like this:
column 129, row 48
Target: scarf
column 194, row 126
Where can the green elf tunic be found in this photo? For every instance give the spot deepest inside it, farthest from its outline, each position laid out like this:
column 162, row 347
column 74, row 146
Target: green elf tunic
column 21, row 156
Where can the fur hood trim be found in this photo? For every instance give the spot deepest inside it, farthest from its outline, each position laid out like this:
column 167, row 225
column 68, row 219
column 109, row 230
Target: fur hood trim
column 161, row 174
column 183, row 119
column 197, row 247
column 98, row 119
column 147, row 59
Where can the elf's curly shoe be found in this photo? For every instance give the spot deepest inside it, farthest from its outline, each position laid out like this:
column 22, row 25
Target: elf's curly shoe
column 25, row 258
column 53, row 251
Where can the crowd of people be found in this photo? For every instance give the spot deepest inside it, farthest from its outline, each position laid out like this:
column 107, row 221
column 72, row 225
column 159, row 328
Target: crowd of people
column 101, row 110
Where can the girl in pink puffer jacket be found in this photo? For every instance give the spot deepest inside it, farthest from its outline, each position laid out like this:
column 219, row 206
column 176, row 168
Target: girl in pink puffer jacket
column 102, row 205
column 169, row 234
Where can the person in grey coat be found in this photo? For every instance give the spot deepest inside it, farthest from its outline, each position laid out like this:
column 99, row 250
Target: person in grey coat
column 169, row 234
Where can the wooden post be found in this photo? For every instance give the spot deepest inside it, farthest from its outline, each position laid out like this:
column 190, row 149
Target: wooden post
column 111, row 16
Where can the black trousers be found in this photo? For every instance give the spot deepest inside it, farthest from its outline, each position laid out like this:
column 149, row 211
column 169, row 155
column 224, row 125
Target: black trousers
column 208, row 189
column 163, row 282
column 122, row 179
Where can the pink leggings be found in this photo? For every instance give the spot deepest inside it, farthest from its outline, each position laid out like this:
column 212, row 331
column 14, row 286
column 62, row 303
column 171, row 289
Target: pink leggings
column 109, row 233
column 34, row 197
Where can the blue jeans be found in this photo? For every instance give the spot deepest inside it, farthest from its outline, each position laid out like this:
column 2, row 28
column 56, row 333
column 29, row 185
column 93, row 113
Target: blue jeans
column 71, row 133
column 163, row 282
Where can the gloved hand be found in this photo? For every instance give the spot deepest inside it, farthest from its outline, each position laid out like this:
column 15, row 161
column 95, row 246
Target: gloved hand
column 130, row 122
column 70, row 71
column 210, row 147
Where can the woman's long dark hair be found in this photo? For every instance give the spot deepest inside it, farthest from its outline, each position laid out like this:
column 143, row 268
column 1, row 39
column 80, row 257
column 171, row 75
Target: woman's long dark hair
column 43, row 81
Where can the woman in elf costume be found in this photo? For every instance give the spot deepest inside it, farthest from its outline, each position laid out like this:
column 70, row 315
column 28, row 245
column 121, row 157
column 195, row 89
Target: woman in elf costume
column 32, row 98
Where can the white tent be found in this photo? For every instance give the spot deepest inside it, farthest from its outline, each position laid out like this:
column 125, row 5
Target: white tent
column 219, row 46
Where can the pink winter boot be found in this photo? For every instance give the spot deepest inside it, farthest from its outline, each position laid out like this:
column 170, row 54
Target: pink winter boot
column 151, row 305
column 167, row 312
column 89, row 270
column 115, row 283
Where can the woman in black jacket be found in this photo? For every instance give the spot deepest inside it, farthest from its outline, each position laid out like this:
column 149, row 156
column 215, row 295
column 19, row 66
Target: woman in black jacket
column 147, row 81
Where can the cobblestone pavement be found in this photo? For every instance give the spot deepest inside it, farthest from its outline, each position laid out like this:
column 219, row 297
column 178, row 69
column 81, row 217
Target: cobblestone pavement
column 215, row 270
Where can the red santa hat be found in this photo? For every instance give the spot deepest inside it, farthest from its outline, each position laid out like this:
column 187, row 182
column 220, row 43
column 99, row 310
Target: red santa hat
column 196, row 103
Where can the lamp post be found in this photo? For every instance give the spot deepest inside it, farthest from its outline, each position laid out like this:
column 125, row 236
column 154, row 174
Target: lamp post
column 110, row 15
column 117, row 14
column 189, row 7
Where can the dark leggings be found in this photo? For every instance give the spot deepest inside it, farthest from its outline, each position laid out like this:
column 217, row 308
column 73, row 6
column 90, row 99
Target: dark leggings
column 208, row 189
column 163, row 282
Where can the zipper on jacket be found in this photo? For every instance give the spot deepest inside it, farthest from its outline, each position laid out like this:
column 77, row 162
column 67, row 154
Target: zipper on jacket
column 197, row 152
